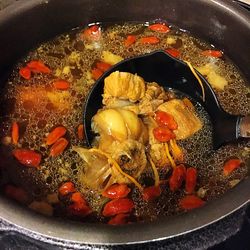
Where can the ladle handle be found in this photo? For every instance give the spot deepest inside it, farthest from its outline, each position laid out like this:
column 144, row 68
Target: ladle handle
column 244, row 127
column 230, row 128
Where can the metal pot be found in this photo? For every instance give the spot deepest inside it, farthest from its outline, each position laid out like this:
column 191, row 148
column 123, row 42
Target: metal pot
column 27, row 23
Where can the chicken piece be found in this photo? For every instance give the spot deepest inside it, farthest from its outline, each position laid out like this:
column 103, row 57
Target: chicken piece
column 113, row 102
column 156, row 150
column 188, row 122
column 104, row 142
column 120, row 124
column 151, row 124
column 131, row 157
column 154, row 91
column 144, row 136
column 108, row 143
column 153, row 98
column 98, row 173
column 123, row 85
column 158, row 155
column 177, row 152
column 110, row 122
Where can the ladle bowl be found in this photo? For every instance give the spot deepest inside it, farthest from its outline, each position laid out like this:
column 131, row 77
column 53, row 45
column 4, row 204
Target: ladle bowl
column 170, row 72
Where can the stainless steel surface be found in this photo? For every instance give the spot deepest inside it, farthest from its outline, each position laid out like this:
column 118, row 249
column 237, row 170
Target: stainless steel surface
column 245, row 127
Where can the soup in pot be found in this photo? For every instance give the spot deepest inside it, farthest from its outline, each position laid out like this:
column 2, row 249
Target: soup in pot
column 152, row 155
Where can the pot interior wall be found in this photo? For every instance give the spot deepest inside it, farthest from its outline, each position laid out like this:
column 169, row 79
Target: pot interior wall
column 26, row 24
column 33, row 21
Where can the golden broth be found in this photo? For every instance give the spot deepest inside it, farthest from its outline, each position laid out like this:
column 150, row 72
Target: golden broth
column 38, row 108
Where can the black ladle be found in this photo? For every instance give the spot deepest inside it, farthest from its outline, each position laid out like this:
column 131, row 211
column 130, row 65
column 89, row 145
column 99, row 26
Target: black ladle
column 170, row 72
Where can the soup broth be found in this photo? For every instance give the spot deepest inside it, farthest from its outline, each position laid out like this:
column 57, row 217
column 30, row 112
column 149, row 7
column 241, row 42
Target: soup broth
column 38, row 107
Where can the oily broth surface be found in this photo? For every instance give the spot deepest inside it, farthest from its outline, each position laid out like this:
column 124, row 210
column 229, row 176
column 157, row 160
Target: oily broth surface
column 38, row 108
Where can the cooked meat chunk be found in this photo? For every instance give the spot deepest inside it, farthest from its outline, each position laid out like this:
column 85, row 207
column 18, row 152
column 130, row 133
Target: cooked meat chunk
column 121, row 124
column 113, row 102
column 156, row 149
column 158, row 155
column 131, row 157
column 123, row 85
column 188, row 122
column 153, row 98
column 97, row 172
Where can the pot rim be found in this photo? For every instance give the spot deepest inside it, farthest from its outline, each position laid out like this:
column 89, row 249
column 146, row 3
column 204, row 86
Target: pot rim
column 58, row 232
